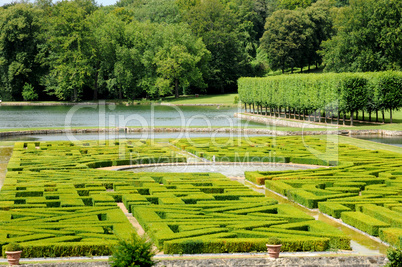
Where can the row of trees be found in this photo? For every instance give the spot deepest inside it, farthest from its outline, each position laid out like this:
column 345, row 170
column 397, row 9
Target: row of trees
column 76, row 49
column 73, row 50
column 300, row 95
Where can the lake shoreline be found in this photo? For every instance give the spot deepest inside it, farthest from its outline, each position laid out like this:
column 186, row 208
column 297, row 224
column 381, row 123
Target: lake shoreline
column 199, row 130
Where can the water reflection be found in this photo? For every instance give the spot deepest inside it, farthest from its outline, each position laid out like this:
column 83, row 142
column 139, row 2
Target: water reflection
column 110, row 115
column 144, row 135
column 389, row 140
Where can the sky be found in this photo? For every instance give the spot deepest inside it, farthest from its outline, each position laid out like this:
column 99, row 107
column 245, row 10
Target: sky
column 100, row 2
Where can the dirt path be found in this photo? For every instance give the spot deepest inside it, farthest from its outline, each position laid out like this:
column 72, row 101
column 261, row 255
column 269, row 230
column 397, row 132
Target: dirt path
column 138, row 228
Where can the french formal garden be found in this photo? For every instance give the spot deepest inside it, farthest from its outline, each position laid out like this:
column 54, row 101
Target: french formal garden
column 56, row 202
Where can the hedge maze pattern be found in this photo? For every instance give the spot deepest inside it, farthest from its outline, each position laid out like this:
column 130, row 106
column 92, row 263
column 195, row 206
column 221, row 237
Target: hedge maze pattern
column 55, row 203
column 364, row 190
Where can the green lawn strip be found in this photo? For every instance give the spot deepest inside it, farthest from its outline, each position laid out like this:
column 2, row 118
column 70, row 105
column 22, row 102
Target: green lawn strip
column 226, row 99
column 365, row 144
column 223, row 99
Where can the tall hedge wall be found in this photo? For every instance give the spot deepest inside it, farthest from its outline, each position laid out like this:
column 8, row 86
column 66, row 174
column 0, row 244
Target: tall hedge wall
column 334, row 92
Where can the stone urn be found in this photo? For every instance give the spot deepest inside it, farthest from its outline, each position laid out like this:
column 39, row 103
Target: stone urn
column 13, row 257
column 274, row 247
column 13, row 252
column 274, row 250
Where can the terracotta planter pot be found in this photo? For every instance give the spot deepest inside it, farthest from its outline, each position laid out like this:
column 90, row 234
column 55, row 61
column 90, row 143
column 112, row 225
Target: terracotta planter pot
column 13, row 257
column 273, row 251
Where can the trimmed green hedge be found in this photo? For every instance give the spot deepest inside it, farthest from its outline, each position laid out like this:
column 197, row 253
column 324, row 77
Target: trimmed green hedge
column 328, row 92
column 56, row 198
column 392, row 236
column 363, row 222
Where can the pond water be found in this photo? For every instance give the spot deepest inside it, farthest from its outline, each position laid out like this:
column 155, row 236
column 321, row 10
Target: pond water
column 230, row 170
column 389, row 140
column 111, row 115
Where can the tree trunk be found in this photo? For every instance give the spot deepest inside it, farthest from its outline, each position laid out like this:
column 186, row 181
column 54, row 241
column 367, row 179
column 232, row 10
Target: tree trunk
column 253, row 109
column 120, row 94
column 245, row 107
column 370, row 116
column 266, row 110
column 96, row 86
column 337, row 119
column 390, row 115
column 351, row 118
column 325, row 117
column 343, row 119
column 319, row 115
column 383, row 116
column 357, row 115
column 75, row 97
column 376, row 115
column 363, row 115
column 304, row 114
column 176, row 88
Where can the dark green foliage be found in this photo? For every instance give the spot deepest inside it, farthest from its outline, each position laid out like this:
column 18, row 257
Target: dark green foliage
column 367, row 37
column 28, row 92
column 293, row 35
column 394, row 257
column 12, row 247
column 20, row 63
column 224, row 36
column 136, row 252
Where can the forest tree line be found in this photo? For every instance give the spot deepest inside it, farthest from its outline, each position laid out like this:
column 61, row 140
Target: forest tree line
column 78, row 50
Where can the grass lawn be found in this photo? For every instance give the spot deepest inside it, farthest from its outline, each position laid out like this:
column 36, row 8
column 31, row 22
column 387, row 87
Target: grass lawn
column 226, row 99
column 365, row 144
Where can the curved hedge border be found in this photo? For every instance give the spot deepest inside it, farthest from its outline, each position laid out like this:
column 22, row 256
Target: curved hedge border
column 331, row 93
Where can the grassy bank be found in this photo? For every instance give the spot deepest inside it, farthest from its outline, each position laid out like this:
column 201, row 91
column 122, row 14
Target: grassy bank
column 226, row 99
column 223, row 99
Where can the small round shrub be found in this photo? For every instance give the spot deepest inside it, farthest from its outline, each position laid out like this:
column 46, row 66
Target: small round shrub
column 13, row 247
column 274, row 241
column 135, row 252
